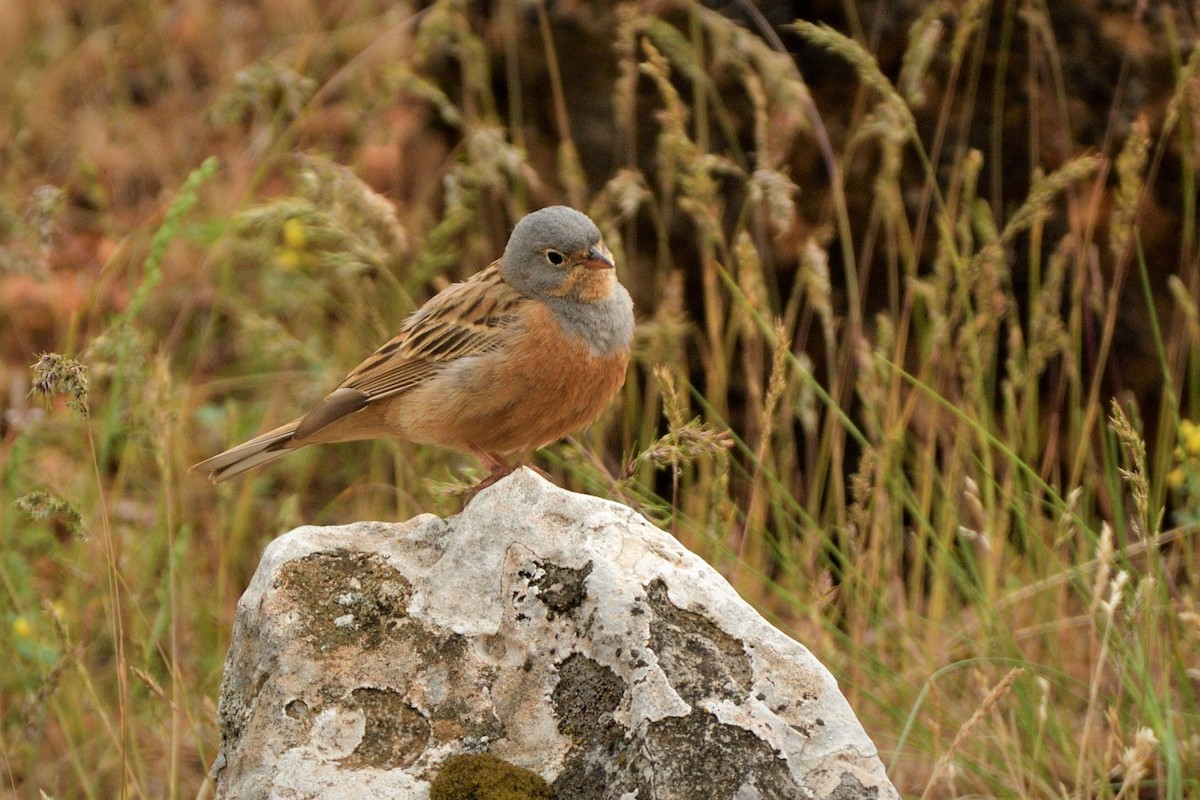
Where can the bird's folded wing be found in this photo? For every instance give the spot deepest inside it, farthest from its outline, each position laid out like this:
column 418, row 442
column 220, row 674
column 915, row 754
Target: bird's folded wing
column 465, row 319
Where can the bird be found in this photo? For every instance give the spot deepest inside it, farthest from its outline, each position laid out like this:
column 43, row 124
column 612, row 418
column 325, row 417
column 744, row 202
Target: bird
column 525, row 352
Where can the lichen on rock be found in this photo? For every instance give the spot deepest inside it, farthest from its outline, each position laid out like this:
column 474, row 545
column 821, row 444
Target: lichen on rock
column 484, row 777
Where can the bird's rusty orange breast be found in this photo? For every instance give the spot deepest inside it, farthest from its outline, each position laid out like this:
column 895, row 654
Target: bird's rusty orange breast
column 543, row 385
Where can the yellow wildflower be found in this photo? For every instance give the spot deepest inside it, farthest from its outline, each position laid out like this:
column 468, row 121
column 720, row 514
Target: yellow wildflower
column 294, row 236
column 288, row 259
column 1176, row 478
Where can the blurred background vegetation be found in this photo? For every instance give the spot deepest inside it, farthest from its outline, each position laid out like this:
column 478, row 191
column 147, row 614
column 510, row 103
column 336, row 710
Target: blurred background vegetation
column 917, row 291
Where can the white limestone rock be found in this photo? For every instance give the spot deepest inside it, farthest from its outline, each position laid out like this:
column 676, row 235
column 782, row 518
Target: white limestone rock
column 559, row 632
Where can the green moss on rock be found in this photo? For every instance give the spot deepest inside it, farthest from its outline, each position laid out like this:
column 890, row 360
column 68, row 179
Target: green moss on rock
column 484, row 777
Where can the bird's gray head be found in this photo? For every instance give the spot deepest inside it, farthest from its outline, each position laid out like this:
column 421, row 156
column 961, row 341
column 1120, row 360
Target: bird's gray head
column 558, row 252
column 556, row 255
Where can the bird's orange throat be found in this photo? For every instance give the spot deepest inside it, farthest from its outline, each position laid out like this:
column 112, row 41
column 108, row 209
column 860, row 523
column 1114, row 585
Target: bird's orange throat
column 588, row 285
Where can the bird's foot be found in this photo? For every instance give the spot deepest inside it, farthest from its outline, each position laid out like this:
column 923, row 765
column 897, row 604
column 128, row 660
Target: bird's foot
column 498, row 472
column 498, row 469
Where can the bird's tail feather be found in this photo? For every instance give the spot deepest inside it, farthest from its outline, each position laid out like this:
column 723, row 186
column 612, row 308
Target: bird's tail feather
column 248, row 455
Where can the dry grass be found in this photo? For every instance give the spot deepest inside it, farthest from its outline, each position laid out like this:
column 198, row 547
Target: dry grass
column 913, row 366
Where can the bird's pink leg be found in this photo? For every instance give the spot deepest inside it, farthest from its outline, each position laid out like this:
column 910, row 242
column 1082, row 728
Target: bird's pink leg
column 496, row 464
column 493, row 461
column 497, row 469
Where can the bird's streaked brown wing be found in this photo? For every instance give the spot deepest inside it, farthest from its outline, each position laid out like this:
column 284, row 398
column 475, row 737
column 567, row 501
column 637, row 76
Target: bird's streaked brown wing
column 465, row 319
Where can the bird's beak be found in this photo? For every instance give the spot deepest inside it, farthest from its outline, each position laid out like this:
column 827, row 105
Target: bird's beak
column 598, row 257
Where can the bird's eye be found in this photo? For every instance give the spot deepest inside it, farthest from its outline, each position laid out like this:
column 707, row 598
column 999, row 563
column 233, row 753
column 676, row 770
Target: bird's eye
column 554, row 257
